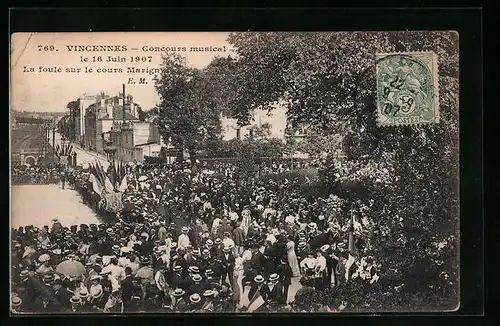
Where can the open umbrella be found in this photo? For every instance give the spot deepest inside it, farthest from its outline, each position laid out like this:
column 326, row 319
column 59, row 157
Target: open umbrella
column 71, row 268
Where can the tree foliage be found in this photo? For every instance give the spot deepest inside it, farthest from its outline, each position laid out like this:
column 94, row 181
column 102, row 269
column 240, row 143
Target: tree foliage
column 188, row 114
column 328, row 82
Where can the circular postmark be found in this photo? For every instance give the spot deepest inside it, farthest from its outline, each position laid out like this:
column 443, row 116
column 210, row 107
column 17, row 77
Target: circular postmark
column 405, row 89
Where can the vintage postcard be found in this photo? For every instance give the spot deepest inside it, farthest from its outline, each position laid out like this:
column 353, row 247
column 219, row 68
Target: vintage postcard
column 245, row 172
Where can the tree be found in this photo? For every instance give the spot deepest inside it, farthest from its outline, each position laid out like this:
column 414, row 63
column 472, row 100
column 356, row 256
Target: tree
column 188, row 114
column 328, row 81
column 74, row 112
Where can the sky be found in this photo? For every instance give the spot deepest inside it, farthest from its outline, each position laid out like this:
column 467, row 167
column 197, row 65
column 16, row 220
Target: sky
column 47, row 91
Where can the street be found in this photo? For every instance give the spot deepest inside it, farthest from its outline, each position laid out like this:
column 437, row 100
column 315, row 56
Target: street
column 83, row 156
column 38, row 204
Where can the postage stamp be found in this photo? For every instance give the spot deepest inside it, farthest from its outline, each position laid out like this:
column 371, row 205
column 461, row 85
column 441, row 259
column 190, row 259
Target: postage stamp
column 407, row 88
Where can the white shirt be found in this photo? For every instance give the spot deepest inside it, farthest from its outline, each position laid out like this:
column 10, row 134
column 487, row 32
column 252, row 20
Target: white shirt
column 123, row 261
column 308, row 262
column 233, row 216
column 215, row 224
column 270, row 237
column 228, row 243
column 247, row 255
column 183, row 241
column 320, row 263
column 268, row 211
column 290, row 219
column 207, row 205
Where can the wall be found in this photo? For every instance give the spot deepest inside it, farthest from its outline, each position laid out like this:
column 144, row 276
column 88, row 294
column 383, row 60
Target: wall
column 102, row 126
column 90, row 130
column 85, row 102
column 276, row 119
column 142, row 133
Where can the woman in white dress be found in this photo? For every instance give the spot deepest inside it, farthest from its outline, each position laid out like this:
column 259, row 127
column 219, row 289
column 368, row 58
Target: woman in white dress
column 292, row 257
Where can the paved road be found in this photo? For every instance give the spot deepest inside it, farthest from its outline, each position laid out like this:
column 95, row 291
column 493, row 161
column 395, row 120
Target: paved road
column 39, row 204
column 83, row 156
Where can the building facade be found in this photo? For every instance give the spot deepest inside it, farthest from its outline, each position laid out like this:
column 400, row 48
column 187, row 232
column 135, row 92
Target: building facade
column 102, row 114
column 275, row 122
column 134, row 140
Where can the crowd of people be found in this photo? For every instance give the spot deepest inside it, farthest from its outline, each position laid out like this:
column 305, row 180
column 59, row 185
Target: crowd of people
column 194, row 240
column 25, row 174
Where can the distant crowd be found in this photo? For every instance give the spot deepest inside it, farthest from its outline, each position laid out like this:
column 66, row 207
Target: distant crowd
column 199, row 240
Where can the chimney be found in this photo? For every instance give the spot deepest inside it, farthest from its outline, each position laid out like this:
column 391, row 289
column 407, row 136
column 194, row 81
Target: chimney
column 123, row 108
column 109, row 109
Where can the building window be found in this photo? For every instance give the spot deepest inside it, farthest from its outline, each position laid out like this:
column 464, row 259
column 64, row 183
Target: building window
column 238, row 133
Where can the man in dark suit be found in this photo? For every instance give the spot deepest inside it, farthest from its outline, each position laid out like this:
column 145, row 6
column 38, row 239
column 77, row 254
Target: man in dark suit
column 274, row 293
column 239, row 238
column 228, row 262
column 285, row 272
column 62, row 296
column 176, row 277
column 257, row 261
column 127, row 288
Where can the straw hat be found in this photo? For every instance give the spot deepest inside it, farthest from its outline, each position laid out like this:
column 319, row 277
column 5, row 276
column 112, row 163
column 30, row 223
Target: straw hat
column 274, row 277
column 208, row 293
column 96, row 292
column 75, row 299
column 24, row 273
column 259, row 279
column 178, row 292
column 16, row 301
column 194, row 269
column 195, row 298
column 95, row 277
column 43, row 258
column 83, row 293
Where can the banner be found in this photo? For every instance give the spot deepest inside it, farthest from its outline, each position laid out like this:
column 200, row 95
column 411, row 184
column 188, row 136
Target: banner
column 63, row 160
column 113, row 201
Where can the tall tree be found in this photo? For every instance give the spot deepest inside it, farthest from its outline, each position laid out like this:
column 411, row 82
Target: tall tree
column 328, row 81
column 188, row 114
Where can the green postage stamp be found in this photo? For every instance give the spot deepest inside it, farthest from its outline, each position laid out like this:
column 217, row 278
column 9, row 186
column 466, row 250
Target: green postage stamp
column 407, row 88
